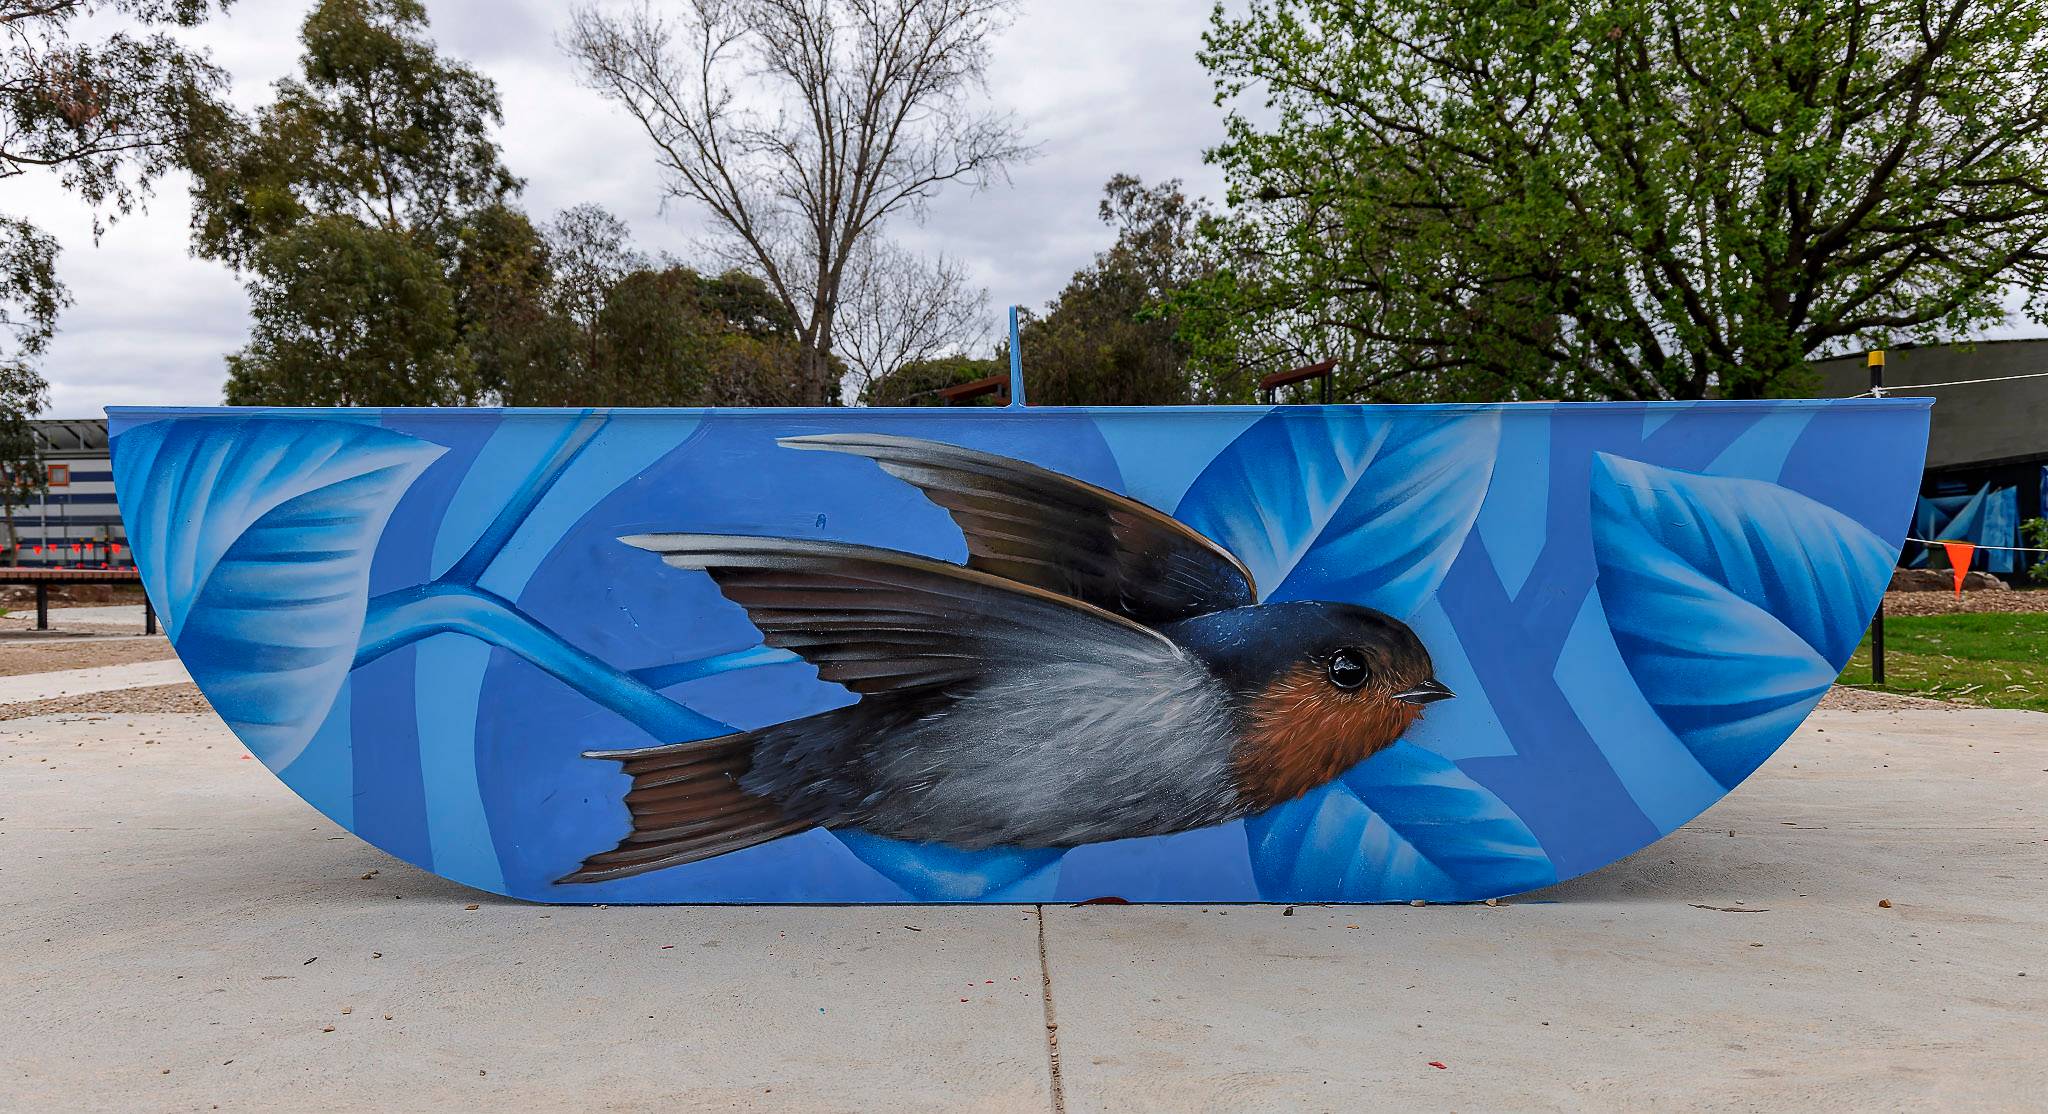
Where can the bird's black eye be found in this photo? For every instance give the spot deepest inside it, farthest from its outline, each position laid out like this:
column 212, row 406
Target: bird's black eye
column 1348, row 669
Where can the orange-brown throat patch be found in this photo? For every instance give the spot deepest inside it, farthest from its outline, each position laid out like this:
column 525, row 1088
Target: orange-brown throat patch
column 1303, row 732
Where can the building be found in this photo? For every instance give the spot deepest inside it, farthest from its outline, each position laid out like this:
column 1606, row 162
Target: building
column 75, row 522
column 1987, row 449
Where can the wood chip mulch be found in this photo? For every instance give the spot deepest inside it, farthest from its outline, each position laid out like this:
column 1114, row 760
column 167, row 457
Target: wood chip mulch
column 1840, row 699
column 1945, row 603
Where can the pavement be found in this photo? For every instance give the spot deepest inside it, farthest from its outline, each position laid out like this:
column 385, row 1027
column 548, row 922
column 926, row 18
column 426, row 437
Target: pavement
column 78, row 682
column 180, row 933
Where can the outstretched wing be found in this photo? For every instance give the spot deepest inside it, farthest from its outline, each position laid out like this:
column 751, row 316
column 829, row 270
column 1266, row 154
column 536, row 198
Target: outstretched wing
column 1037, row 527
column 876, row 620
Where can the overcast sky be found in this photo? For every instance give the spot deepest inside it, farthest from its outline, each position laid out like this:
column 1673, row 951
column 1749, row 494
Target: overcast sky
column 1102, row 85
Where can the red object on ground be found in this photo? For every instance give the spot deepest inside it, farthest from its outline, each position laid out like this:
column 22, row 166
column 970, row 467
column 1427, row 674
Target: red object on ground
column 1959, row 556
column 1439, row 1065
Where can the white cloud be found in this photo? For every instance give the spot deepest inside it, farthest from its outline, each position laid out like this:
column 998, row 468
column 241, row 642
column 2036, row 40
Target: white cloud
column 1103, row 87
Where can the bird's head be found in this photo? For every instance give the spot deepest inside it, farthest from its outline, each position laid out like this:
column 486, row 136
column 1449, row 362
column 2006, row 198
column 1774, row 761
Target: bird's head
column 1319, row 687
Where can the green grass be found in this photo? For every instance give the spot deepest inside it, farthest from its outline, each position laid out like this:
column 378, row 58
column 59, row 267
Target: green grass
column 1990, row 660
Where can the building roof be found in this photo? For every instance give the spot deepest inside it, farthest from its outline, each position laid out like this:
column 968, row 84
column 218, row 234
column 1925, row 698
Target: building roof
column 58, row 438
column 1977, row 425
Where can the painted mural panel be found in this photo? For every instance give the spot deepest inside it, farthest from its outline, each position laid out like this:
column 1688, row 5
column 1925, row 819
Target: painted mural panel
column 1222, row 654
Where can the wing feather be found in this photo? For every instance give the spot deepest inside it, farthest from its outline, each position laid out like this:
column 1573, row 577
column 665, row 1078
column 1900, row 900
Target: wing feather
column 1060, row 534
column 876, row 620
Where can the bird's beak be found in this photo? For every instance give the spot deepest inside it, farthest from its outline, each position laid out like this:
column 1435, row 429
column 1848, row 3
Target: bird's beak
column 1428, row 692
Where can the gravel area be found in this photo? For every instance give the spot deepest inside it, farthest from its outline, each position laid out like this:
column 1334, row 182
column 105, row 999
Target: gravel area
column 157, row 698
column 25, row 656
column 1946, row 603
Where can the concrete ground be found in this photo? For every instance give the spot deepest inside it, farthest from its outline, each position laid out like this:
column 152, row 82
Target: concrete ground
column 180, row 933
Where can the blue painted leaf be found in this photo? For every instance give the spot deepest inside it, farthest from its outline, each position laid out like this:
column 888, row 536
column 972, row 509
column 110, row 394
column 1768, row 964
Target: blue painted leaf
column 254, row 537
column 1734, row 602
column 1347, row 504
column 1402, row 825
column 931, row 872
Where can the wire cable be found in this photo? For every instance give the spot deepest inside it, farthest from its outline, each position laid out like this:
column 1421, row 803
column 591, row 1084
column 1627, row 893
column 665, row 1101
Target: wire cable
column 1979, row 545
column 1882, row 392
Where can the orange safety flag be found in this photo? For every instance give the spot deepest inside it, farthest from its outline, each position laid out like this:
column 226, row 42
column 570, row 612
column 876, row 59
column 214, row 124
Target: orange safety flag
column 1959, row 556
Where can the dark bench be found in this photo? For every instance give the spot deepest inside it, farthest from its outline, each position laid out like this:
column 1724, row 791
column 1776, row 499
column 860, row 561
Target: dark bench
column 43, row 578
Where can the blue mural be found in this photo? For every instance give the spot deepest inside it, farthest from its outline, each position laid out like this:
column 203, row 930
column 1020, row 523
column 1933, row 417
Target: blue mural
column 1220, row 654
column 1989, row 516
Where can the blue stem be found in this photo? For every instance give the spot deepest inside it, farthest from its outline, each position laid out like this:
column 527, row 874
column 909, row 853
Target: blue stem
column 454, row 604
column 495, row 536
column 662, row 676
column 408, row 615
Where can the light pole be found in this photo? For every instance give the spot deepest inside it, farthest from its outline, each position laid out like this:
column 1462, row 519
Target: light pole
column 1876, row 362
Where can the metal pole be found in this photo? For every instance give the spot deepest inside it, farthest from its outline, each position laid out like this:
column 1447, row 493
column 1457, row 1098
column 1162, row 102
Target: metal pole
column 1876, row 362
column 42, row 605
column 1016, row 362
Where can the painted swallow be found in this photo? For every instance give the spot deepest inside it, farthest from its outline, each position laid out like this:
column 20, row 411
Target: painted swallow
column 1097, row 670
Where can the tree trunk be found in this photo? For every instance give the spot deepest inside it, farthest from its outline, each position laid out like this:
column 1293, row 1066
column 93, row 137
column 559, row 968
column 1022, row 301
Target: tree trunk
column 814, row 369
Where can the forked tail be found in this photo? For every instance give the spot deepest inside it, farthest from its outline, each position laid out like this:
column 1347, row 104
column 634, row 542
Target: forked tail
column 687, row 804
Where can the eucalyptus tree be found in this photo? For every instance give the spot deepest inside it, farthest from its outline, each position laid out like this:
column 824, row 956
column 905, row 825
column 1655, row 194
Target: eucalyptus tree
column 345, row 200
column 105, row 113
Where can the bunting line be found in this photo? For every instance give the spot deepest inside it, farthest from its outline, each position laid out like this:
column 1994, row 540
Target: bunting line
column 1979, row 545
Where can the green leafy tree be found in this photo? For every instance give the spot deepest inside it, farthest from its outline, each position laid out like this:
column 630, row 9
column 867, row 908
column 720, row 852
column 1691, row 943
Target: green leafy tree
column 674, row 337
column 504, row 288
column 23, row 394
column 591, row 250
column 28, row 318
column 652, row 337
column 2035, row 530
column 1619, row 198
column 106, row 115
column 1110, row 337
column 346, row 314
column 346, row 201
column 919, row 382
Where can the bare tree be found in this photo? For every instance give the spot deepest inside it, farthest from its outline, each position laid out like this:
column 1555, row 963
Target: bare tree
column 901, row 308
column 800, row 126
